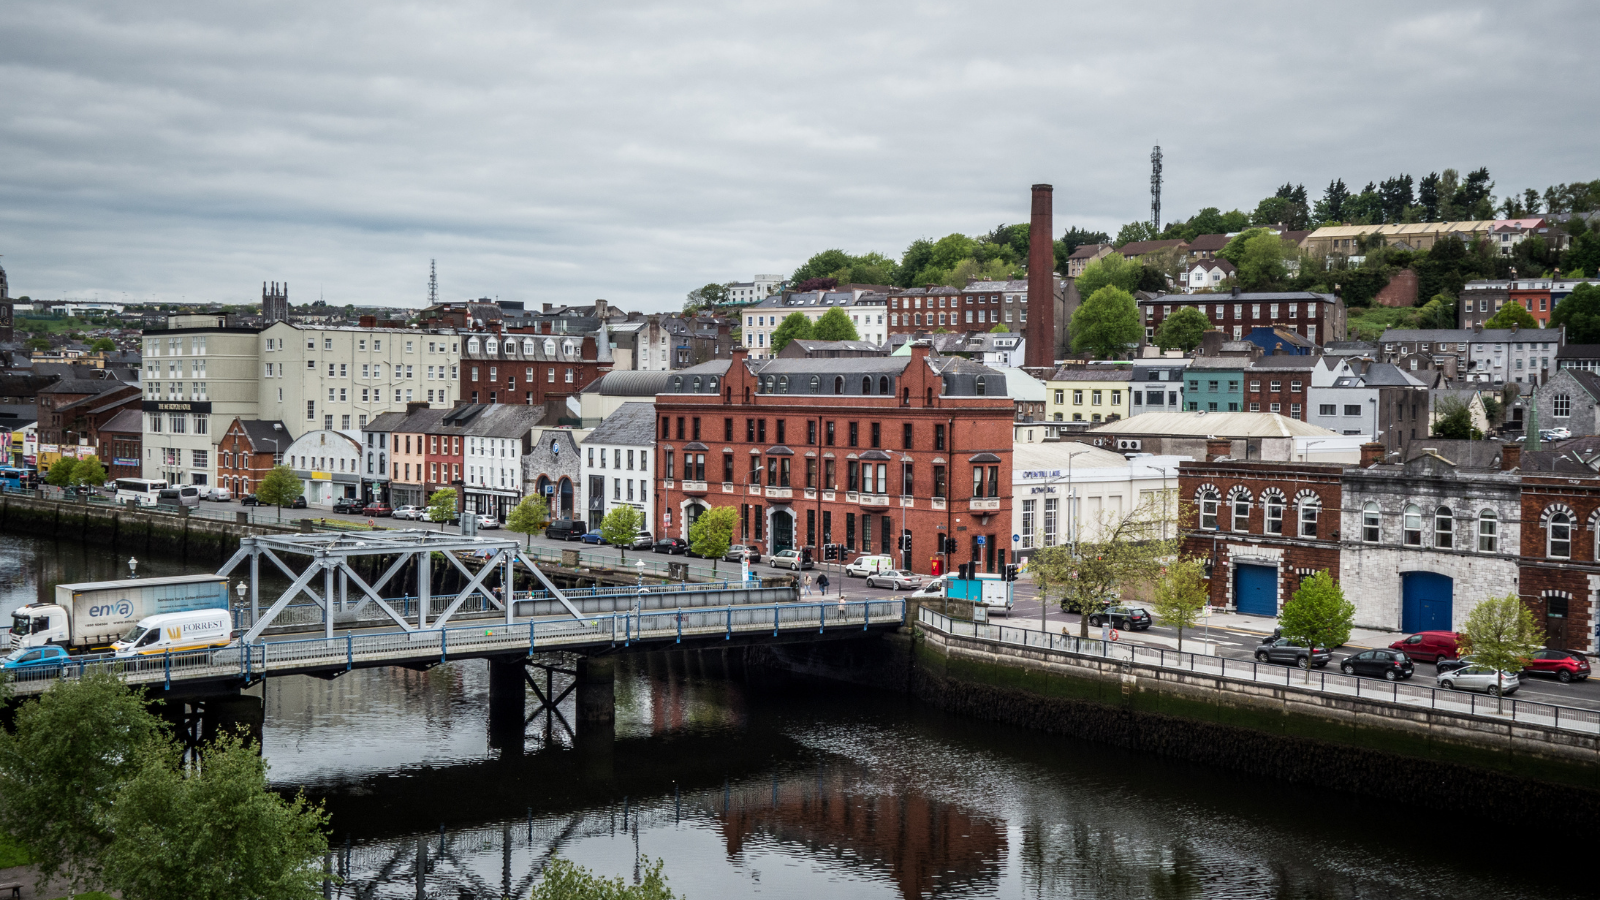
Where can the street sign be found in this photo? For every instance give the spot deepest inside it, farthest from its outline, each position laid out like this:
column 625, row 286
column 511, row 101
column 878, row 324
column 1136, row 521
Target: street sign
column 1015, row 538
column 980, row 540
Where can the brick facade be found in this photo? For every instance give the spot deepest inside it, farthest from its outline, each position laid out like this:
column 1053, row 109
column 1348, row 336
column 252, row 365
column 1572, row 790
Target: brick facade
column 527, row 368
column 1562, row 591
column 1319, row 318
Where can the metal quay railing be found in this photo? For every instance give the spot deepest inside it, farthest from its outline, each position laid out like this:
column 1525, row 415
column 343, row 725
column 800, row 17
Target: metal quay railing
column 1241, row 671
column 352, row 649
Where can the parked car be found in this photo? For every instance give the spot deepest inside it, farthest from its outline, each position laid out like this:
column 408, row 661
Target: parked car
column 865, row 565
column 1565, row 665
column 1481, row 678
column 592, row 537
column 218, row 494
column 566, row 530
column 299, row 502
column 790, row 559
column 409, row 511
column 1392, row 665
column 486, row 520
column 642, row 541
column 249, row 500
column 180, row 495
column 895, row 580
column 1292, row 652
column 377, row 509
column 1554, row 434
column 1450, row 665
column 737, row 552
column 1123, row 618
column 671, row 546
column 347, row 505
column 1428, row 646
column 49, row 656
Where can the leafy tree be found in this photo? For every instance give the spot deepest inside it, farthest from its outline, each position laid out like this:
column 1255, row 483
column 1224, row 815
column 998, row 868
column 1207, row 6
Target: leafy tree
column 1126, row 554
column 1428, row 197
column 1076, row 237
column 442, row 506
column 1106, row 324
column 1318, row 615
column 1583, row 255
column 712, row 534
column 1113, row 269
column 61, row 472
column 89, row 471
column 1135, row 231
column 917, row 257
column 951, row 249
column 37, row 344
column 1261, row 258
column 1051, row 567
column 62, row 766
column 1182, row 330
column 1513, row 313
column 1452, row 419
column 1000, row 328
column 703, row 298
column 279, row 488
column 822, row 265
column 1181, row 595
column 1580, row 312
column 213, row 832
column 869, row 268
column 564, row 880
column 103, row 345
column 1439, row 312
column 1500, row 633
column 531, row 515
column 834, row 325
column 1271, row 211
column 1492, row 410
column 796, row 326
column 620, row 526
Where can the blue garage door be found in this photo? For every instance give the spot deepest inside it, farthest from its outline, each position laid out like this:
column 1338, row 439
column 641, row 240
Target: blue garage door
column 1426, row 600
column 1255, row 590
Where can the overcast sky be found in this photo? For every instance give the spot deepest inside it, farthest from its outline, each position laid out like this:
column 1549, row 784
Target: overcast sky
column 552, row 153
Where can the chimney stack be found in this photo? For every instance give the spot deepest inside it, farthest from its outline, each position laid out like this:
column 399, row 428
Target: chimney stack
column 1041, row 330
column 1216, row 448
column 1371, row 454
column 1510, row 457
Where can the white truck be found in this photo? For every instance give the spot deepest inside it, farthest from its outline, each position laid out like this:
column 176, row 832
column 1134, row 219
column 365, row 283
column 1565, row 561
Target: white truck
column 89, row 617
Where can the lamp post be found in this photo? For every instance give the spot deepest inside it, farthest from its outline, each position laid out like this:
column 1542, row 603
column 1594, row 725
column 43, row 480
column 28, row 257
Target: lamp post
column 1072, row 506
column 133, row 567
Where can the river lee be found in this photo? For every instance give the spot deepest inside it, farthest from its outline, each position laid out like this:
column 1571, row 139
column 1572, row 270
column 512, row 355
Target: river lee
column 753, row 785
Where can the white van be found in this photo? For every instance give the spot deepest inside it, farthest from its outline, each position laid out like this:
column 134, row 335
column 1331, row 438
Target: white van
column 194, row 630
column 179, row 495
column 863, row 566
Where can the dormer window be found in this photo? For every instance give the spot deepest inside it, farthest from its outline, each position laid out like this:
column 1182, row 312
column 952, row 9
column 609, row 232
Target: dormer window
column 567, row 348
column 472, row 345
column 491, row 346
column 549, row 347
column 527, row 347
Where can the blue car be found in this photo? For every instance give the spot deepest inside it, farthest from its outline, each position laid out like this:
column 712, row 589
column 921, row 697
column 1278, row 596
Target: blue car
column 593, row 537
column 36, row 658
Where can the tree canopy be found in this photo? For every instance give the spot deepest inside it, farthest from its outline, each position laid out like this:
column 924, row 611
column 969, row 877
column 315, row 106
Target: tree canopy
column 1182, row 330
column 1261, row 258
column 61, row 472
column 442, row 506
column 530, row 515
column 834, row 325
column 1513, row 313
column 621, row 525
column 796, row 326
column 1318, row 615
column 1580, row 312
column 712, row 534
column 1112, row 269
column 1500, row 633
column 1454, row 420
column 1106, row 324
column 704, row 298
column 1181, row 595
column 565, row 880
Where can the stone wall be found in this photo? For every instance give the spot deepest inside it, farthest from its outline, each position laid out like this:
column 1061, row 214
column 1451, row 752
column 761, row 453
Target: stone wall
column 1401, row 290
column 123, row 530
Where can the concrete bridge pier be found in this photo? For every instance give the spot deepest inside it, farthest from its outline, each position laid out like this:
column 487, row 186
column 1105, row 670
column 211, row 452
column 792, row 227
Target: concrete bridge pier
column 508, row 705
column 596, row 715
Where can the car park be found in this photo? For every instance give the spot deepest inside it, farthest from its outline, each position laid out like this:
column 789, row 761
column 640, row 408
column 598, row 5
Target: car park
column 1564, row 665
column 790, row 559
column 737, row 553
column 408, row 511
column 1392, row 665
column 671, row 546
column 865, row 565
column 1481, row 678
column 895, row 580
column 1123, row 618
column 566, row 530
column 1428, row 646
column 1291, row 652
column 642, row 541
column 593, row 537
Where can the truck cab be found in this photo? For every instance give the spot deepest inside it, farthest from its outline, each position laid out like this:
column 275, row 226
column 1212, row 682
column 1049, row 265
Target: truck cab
column 39, row 625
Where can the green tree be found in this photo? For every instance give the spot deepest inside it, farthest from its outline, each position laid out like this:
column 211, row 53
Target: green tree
column 821, row 265
column 442, row 506
column 834, row 325
column 564, row 880
column 1513, row 313
column 1452, row 419
column 215, row 831
column 1500, row 633
column 1491, row 410
column 1001, row 328
column 712, row 534
column 1580, row 312
column 1050, row 567
column 1318, row 615
column 1076, row 237
column 529, row 516
column 1115, row 270
column 1135, row 231
column 704, row 298
column 89, row 471
column 1182, row 330
column 1261, row 258
column 62, row 765
column 1439, row 312
column 1584, row 254
column 917, row 257
column 279, row 488
column 796, row 326
column 1106, row 324
column 1123, row 557
column 1181, row 595
column 61, row 472
column 37, row 344
column 103, row 345
column 620, row 526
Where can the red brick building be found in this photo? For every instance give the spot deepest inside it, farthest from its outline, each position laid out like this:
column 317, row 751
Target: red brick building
column 247, row 451
column 528, row 368
column 1278, row 384
column 1319, row 318
column 846, row 451
column 118, row 442
column 925, row 309
column 1560, row 571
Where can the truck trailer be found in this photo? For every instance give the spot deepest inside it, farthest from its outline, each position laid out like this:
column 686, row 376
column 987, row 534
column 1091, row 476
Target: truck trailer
column 89, row 617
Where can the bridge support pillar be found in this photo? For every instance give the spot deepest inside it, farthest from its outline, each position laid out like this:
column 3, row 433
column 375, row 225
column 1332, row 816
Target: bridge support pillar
column 507, row 703
column 597, row 715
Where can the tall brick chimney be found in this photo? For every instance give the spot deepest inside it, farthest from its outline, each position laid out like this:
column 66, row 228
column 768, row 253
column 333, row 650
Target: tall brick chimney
column 1371, row 454
column 1041, row 328
column 1510, row 457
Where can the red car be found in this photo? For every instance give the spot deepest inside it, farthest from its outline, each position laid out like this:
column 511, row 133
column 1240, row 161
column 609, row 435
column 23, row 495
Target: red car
column 378, row 509
column 1565, row 665
column 1428, row 646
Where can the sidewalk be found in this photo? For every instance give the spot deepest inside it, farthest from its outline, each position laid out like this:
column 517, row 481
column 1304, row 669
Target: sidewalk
column 1192, row 642
column 1360, row 638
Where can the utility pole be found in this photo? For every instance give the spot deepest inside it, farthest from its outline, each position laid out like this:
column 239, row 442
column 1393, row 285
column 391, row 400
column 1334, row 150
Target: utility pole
column 1155, row 190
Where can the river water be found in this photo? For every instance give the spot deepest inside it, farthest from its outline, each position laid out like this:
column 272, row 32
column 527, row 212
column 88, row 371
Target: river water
column 750, row 786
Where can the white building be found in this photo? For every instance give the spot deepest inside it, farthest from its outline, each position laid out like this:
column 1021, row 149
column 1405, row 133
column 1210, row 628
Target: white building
column 867, row 311
column 1069, row 491
column 616, row 462
column 192, row 377
column 753, row 291
column 328, row 464
column 493, row 444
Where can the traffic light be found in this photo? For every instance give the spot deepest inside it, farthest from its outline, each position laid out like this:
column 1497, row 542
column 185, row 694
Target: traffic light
column 1001, row 555
column 966, row 571
column 1011, row 573
column 905, row 541
column 829, row 552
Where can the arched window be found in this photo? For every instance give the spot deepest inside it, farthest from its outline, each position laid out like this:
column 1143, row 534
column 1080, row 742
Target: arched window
column 980, row 385
column 1208, row 511
column 677, row 384
column 711, row 383
column 1371, row 524
column 1309, row 508
column 1444, row 528
column 1561, row 407
column 1560, row 536
column 816, row 384
column 1241, row 511
column 866, row 386
column 695, row 384
column 883, row 385
column 1413, row 526
column 1274, row 508
column 783, row 384
column 1488, row 532
column 838, row 384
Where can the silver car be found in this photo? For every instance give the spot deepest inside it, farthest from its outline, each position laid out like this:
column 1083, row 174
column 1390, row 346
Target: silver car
column 895, row 580
column 1480, row 678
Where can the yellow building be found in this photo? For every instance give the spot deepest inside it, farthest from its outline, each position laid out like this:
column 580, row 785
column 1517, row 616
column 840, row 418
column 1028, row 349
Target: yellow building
column 1092, row 393
column 1343, row 239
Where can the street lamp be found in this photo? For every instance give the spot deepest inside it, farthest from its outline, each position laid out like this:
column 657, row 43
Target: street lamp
column 1072, row 506
column 133, row 567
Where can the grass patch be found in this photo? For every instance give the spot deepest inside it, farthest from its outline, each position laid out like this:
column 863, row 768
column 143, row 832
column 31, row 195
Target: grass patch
column 12, row 853
column 1369, row 323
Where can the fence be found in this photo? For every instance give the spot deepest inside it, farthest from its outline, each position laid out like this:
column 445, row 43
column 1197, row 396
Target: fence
column 1235, row 672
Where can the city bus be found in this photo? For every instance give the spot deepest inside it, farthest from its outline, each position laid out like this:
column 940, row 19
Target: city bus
column 12, row 477
column 143, row 490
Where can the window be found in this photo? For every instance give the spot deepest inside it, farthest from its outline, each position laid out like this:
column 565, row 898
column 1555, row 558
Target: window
column 1241, row 512
column 1274, row 508
column 1308, row 516
column 1327, row 409
column 1208, row 511
column 1077, row 398
column 1444, row 528
column 1352, row 409
column 1562, row 406
column 1412, row 526
column 1560, row 545
column 1371, row 524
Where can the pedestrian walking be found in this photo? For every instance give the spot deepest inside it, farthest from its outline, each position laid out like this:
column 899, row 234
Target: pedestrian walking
column 822, row 583
column 808, row 584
